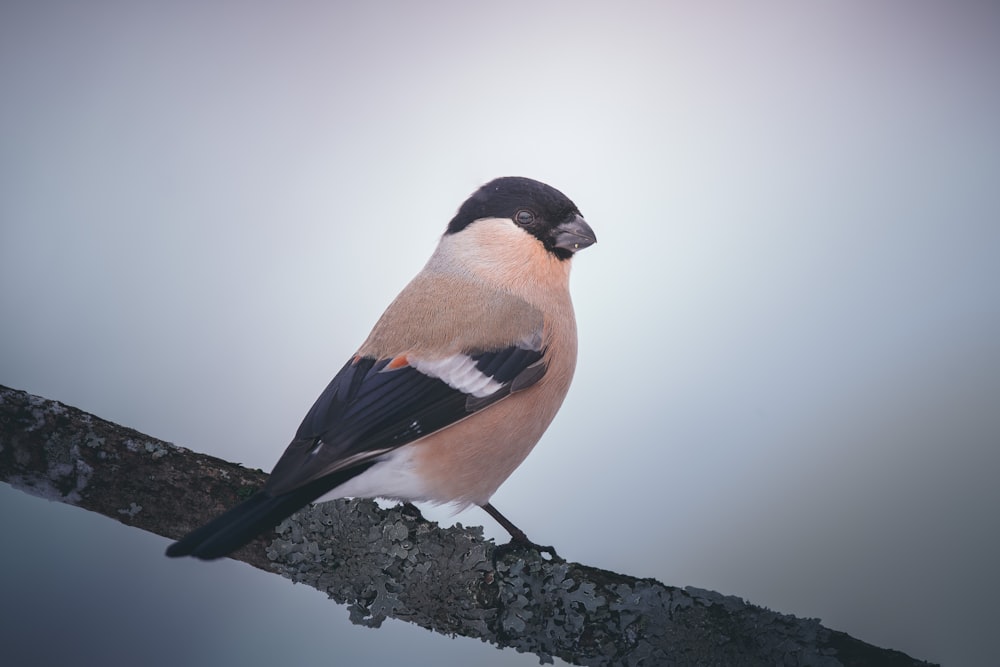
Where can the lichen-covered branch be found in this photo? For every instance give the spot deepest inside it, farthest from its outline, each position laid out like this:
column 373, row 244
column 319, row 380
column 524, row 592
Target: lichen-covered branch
column 391, row 563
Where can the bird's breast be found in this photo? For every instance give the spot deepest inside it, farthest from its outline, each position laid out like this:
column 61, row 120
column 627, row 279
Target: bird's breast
column 466, row 462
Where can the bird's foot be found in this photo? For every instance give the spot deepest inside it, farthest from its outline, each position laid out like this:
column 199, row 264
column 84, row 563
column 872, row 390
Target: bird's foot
column 518, row 540
column 522, row 543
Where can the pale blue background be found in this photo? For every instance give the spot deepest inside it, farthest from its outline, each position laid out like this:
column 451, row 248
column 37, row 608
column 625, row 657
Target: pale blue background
column 789, row 375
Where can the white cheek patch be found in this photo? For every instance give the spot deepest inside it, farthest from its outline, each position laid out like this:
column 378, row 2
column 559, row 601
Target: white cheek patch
column 458, row 372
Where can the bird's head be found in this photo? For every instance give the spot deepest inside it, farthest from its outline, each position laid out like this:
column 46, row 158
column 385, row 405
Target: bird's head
column 538, row 209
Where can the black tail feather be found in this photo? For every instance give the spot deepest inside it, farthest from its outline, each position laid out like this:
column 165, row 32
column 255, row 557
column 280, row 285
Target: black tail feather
column 261, row 512
column 230, row 531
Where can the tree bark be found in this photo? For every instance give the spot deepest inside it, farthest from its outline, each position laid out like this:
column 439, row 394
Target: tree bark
column 390, row 563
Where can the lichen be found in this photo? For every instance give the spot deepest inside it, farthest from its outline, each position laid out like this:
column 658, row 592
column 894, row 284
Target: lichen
column 157, row 449
column 380, row 563
column 389, row 564
column 132, row 510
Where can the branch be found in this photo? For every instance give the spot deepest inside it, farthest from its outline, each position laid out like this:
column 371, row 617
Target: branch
column 388, row 563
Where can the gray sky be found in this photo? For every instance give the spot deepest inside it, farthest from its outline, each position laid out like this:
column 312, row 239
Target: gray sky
column 790, row 329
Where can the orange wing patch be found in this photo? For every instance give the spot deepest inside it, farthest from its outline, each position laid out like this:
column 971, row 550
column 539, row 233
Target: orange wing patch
column 399, row 361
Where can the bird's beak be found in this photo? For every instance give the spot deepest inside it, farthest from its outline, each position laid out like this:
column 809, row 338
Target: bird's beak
column 574, row 235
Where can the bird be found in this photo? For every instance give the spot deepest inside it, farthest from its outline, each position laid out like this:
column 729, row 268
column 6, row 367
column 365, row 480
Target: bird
column 455, row 384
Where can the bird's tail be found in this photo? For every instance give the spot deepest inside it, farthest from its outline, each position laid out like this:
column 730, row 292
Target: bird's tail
column 230, row 531
column 262, row 511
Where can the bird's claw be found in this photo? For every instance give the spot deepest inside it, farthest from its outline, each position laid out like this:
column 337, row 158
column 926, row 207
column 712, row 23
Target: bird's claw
column 523, row 544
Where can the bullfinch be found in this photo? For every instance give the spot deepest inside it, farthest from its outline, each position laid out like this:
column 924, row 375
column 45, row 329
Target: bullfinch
column 455, row 384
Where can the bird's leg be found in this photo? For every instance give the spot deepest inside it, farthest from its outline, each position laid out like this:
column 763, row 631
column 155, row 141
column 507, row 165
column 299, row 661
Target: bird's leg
column 516, row 533
column 517, row 536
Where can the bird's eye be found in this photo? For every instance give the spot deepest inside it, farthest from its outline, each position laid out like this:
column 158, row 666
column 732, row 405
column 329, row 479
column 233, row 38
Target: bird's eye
column 524, row 217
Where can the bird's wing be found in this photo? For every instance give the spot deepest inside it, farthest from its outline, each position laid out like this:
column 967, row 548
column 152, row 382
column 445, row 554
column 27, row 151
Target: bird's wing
column 375, row 405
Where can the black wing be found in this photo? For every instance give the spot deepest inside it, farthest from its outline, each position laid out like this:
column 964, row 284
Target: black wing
column 371, row 407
